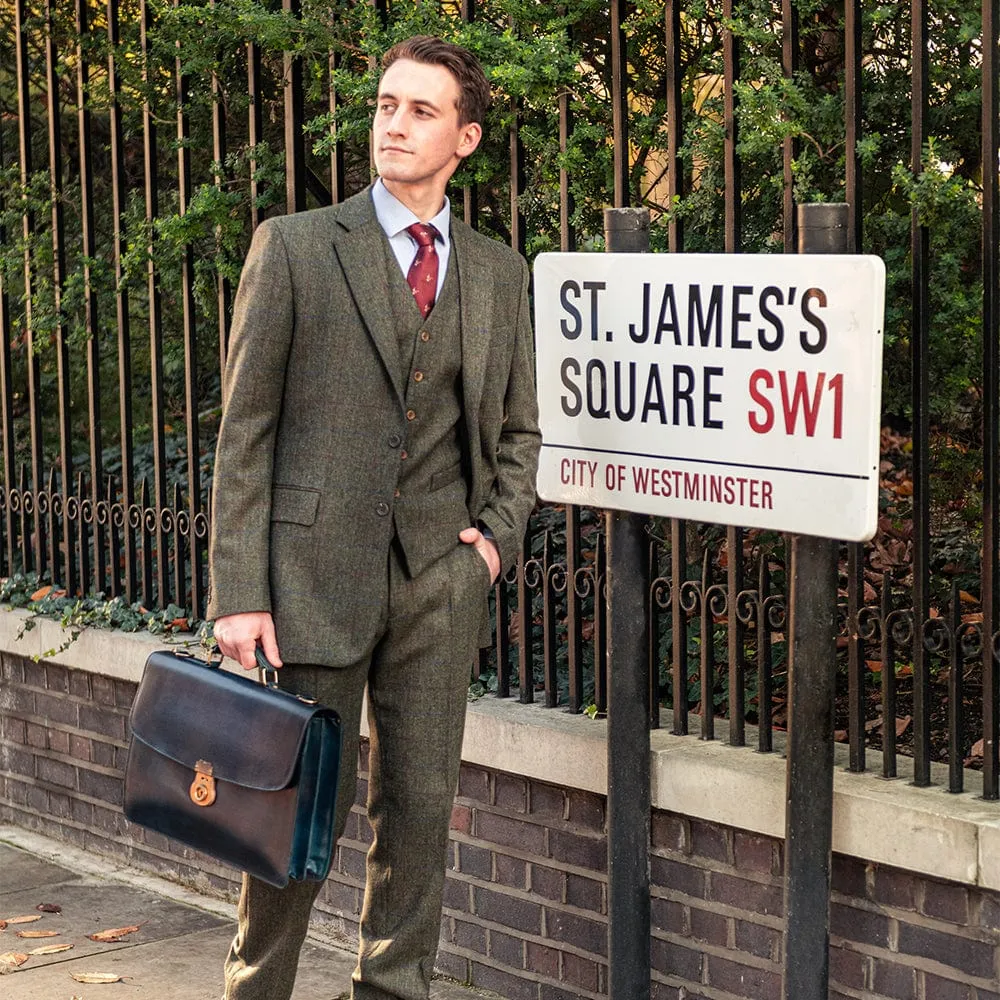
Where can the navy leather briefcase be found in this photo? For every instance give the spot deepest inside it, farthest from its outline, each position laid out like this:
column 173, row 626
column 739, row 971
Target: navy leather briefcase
column 241, row 770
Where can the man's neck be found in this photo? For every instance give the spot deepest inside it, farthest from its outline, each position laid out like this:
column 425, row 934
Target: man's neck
column 424, row 201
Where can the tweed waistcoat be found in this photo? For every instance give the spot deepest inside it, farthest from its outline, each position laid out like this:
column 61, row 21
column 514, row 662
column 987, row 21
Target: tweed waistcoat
column 431, row 500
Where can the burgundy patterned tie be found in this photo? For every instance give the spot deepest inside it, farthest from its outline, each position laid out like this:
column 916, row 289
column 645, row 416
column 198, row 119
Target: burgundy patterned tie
column 423, row 273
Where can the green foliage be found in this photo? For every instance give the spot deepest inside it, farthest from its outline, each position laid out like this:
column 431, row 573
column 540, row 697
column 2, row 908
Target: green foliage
column 27, row 591
column 535, row 54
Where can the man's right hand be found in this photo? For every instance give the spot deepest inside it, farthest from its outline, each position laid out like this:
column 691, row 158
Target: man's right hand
column 238, row 636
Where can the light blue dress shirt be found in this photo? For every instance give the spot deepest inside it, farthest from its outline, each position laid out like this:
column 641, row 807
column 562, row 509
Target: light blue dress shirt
column 394, row 217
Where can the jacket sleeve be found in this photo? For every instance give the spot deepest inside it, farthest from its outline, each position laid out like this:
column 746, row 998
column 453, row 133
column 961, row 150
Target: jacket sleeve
column 513, row 495
column 252, row 391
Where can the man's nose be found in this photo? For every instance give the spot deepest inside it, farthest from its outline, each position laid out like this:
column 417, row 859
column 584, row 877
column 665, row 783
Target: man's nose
column 397, row 123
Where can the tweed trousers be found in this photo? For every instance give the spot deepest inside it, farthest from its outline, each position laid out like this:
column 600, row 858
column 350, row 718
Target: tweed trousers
column 417, row 679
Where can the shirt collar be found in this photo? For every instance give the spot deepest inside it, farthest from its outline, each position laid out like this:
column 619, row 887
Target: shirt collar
column 393, row 216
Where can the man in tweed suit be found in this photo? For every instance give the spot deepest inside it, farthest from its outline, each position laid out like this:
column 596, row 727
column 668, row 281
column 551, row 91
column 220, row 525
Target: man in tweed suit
column 374, row 473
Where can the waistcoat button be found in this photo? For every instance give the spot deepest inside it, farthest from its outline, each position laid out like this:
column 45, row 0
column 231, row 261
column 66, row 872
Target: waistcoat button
column 381, row 508
column 395, row 440
column 411, row 415
column 418, row 376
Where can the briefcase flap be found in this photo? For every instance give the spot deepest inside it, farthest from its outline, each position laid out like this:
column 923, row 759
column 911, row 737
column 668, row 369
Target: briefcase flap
column 197, row 714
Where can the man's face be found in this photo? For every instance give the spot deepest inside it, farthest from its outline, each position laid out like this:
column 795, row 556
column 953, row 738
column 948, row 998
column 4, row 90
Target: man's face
column 417, row 137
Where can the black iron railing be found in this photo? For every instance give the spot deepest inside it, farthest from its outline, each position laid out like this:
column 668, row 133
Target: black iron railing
column 108, row 491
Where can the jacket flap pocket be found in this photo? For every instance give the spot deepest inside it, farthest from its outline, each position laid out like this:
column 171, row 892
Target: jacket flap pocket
column 249, row 734
column 296, row 504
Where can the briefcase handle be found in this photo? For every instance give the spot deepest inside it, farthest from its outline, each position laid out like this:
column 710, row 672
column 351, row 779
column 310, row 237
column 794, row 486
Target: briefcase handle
column 267, row 673
column 266, row 670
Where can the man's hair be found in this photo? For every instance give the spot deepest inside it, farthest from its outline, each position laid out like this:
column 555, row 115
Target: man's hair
column 473, row 87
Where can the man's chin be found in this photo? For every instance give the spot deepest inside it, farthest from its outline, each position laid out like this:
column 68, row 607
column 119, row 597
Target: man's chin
column 392, row 172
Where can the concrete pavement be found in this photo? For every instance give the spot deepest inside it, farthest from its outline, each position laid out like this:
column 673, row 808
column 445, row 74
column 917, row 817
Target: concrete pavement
column 176, row 953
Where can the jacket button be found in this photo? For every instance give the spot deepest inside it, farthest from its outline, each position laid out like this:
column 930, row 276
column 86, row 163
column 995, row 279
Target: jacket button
column 411, row 415
column 381, row 508
column 424, row 336
column 418, row 376
column 395, row 440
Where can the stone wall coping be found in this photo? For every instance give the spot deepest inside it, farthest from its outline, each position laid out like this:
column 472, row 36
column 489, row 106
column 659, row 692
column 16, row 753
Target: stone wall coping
column 886, row 821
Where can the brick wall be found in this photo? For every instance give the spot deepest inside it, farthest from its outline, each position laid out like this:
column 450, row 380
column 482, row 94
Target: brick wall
column 526, row 894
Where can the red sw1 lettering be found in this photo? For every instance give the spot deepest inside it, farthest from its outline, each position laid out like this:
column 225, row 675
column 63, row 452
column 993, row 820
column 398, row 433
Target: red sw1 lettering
column 798, row 397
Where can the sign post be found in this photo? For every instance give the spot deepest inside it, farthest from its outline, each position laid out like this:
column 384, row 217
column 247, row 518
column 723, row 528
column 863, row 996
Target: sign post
column 627, row 229
column 812, row 663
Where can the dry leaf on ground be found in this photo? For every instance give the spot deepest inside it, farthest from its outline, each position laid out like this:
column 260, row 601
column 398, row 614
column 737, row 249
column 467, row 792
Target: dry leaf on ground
column 50, row 949
column 97, row 978
column 3, row 925
column 975, row 754
column 49, row 907
column 30, row 919
column 114, row 934
column 38, row 934
column 10, row 960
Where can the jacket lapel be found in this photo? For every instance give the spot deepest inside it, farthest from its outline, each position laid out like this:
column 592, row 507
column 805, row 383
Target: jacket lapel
column 476, row 298
column 358, row 241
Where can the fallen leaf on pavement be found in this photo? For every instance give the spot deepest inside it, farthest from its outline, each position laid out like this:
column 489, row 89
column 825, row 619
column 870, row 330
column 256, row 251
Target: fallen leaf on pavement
column 50, row 949
column 114, row 934
column 975, row 754
column 10, row 960
column 97, row 977
column 49, row 907
column 3, row 925
column 37, row 934
column 30, row 919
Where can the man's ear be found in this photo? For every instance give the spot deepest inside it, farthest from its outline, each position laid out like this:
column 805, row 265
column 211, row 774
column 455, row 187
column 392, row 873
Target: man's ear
column 468, row 141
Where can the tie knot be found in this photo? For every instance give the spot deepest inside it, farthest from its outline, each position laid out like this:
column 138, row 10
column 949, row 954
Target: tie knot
column 424, row 233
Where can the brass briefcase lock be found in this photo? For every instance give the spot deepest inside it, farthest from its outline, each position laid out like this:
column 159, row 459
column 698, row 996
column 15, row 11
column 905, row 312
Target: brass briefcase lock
column 202, row 790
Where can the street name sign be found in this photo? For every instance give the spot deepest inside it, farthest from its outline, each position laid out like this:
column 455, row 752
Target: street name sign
column 733, row 388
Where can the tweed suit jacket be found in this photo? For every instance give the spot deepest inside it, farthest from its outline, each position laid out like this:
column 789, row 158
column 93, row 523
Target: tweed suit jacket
column 313, row 419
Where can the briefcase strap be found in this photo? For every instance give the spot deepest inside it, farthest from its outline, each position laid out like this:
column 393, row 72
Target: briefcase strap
column 267, row 673
column 266, row 670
